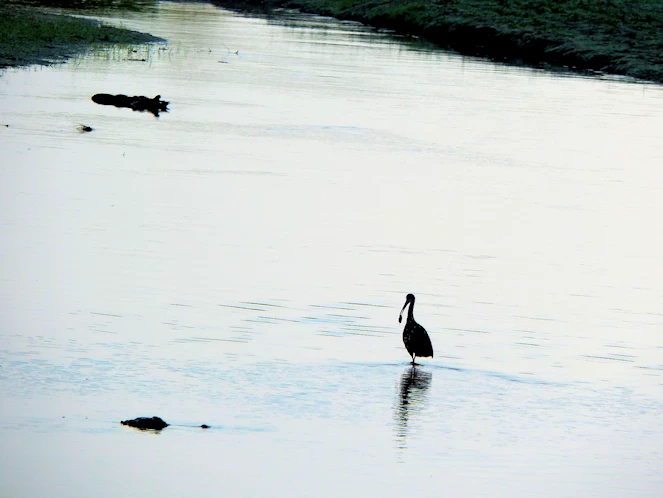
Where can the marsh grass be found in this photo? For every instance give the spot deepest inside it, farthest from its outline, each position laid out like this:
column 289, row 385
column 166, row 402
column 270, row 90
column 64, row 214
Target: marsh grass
column 31, row 36
column 614, row 36
column 134, row 5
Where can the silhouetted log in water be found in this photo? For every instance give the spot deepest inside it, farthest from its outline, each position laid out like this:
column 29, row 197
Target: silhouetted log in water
column 136, row 102
column 153, row 423
column 145, row 423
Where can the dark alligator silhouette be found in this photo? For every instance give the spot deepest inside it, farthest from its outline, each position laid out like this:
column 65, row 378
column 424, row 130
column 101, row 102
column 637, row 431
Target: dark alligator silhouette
column 151, row 423
column 136, row 103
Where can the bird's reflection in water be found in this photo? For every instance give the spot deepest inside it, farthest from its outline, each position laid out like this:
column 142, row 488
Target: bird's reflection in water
column 411, row 398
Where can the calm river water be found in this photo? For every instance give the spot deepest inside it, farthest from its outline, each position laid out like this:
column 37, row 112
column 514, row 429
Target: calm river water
column 241, row 261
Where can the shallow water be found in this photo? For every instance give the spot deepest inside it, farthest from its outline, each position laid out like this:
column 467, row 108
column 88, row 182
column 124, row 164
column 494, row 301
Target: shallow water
column 241, row 261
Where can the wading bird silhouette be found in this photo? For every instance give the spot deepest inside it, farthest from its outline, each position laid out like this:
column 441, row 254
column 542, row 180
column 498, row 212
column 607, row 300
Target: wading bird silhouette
column 415, row 337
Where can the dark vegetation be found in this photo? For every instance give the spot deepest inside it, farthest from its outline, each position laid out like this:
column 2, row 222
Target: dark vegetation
column 608, row 36
column 30, row 34
column 135, row 5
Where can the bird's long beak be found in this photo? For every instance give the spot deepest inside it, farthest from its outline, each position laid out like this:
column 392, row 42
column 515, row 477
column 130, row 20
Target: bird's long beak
column 400, row 317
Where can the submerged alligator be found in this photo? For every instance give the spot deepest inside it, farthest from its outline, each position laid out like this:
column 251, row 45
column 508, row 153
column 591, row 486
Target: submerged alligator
column 151, row 423
column 136, row 103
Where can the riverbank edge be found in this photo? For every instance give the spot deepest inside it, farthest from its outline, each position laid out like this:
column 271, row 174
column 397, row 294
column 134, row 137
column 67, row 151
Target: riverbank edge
column 469, row 35
column 32, row 36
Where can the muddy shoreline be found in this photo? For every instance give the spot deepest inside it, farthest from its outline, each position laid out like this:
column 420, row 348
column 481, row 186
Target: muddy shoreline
column 617, row 37
column 30, row 36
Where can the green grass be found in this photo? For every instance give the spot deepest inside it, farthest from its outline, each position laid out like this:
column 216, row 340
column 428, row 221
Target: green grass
column 29, row 36
column 614, row 36
column 135, row 5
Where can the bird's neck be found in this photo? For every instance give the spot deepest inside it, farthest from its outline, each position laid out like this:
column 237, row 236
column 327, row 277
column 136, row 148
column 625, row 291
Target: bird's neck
column 410, row 312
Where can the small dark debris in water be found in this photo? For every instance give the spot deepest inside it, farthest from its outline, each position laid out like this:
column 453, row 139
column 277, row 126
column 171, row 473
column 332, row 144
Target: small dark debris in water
column 85, row 129
column 135, row 103
column 137, row 60
column 204, row 426
column 146, row 423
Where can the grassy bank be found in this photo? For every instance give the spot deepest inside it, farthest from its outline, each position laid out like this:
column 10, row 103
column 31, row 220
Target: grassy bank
column 29, row 35
column 612, row 36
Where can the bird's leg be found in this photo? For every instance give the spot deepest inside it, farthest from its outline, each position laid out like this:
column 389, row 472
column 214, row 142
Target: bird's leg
column 413, row 356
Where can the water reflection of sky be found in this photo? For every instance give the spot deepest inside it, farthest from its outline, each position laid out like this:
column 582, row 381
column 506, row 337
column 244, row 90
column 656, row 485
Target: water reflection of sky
column 241, row 260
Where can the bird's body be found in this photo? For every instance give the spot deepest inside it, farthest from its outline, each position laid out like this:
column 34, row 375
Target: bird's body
column 415, row 337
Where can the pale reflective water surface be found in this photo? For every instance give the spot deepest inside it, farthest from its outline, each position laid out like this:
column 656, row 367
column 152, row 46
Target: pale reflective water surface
column 241, row 261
